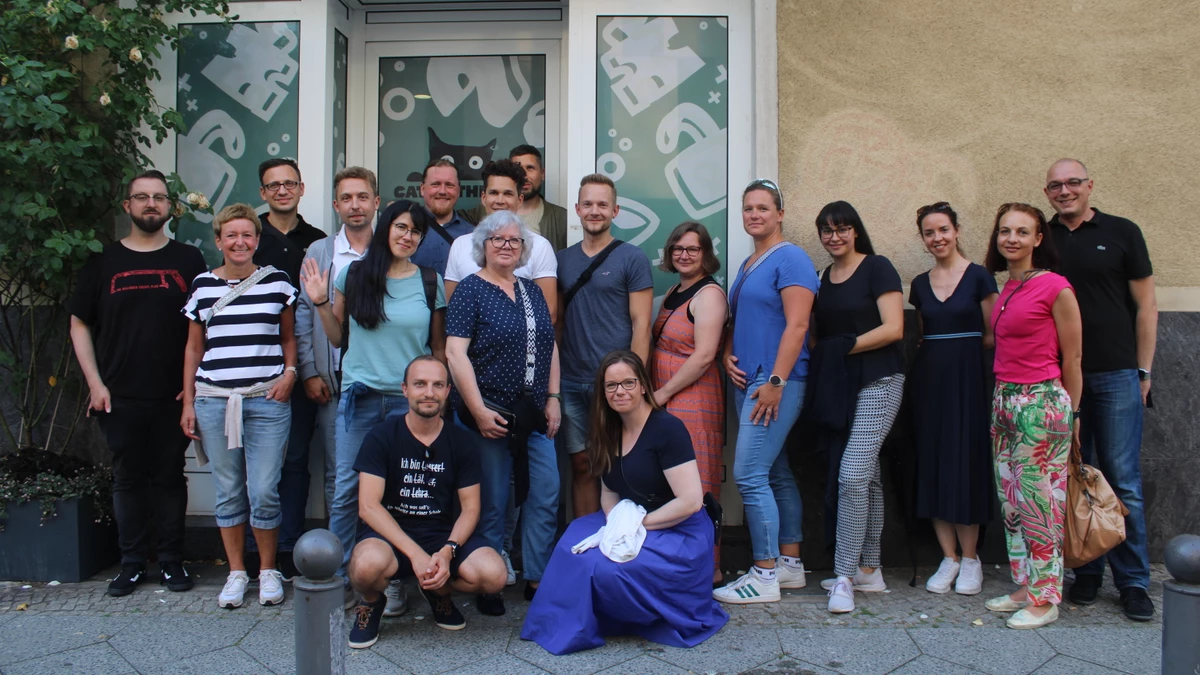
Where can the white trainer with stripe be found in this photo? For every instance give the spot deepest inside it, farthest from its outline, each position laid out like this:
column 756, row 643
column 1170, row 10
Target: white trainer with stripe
column 748, row 590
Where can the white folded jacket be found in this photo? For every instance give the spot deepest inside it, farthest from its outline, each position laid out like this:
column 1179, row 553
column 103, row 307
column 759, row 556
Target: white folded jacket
column 621, row 538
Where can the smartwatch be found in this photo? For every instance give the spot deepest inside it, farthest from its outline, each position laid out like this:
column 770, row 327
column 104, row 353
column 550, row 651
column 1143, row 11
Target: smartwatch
column 776, row 381
column 453, row 548
column 1143, row 374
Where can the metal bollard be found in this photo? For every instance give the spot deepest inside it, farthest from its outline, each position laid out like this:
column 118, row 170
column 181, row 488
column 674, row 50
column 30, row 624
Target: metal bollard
column 1181, row 606
column 318, row 596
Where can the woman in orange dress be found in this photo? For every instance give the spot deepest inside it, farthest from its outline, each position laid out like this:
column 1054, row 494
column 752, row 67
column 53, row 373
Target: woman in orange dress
column 687, row 342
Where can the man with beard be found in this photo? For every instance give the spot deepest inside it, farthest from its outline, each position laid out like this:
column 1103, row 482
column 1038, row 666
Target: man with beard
column 129, row 336
column 415, row 473
column 539, row 215
column 605, row 298
column 439, row 190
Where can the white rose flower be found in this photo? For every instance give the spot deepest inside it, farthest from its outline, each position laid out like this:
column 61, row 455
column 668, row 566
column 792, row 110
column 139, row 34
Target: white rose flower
column 51, row 8
column 71, row 42
column 135, row 55
column 194, row 198
column 203, row 205
column 104, row 99
column 177, row 210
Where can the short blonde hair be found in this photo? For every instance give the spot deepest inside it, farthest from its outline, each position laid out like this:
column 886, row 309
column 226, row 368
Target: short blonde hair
column 236, row 212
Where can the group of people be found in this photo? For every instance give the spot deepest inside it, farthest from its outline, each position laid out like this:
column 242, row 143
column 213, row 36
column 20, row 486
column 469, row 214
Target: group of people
column 441, row 352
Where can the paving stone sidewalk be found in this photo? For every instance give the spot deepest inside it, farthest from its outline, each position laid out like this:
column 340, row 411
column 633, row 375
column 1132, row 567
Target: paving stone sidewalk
column 76, row 628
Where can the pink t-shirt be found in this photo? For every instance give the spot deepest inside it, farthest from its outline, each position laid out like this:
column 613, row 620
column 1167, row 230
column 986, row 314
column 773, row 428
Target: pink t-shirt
column 1027, row 349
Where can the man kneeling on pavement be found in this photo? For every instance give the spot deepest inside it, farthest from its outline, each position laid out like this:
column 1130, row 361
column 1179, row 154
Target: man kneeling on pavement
column 412, row 471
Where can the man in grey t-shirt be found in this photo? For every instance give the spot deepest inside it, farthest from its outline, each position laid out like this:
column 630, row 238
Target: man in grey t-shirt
column 611, row 311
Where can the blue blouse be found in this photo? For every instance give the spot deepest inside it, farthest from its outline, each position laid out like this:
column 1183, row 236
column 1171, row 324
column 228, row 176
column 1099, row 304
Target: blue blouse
column 759, row 320
column 495, row 324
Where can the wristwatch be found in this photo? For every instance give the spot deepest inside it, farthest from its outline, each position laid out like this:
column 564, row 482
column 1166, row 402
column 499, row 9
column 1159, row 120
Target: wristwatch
column 453, row 548
column 776, row 380
column 1143, row 374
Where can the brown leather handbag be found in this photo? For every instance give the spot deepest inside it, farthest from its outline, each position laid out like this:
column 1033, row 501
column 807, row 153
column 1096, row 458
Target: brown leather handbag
column 1095, row 517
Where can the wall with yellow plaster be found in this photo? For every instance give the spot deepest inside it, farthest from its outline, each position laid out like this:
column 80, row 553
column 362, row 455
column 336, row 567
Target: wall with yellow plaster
column 891, row 105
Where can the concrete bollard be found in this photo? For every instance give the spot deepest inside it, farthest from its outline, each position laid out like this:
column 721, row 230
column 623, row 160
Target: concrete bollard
column 1181, row 606
column 318, row 596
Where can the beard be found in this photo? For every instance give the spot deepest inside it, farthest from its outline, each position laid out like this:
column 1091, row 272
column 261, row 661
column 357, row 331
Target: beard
column 150, row 224
column 436, row 412
column 532, row 192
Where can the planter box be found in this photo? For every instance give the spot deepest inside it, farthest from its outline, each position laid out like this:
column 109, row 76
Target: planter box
column 70, row 547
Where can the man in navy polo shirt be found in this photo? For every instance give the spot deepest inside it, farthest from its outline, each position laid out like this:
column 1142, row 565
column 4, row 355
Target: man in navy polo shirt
column 440, row 188
column 1105, row 259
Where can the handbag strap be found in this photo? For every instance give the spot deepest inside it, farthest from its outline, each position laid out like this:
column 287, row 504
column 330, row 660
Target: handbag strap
column 530, row 335
column 238, row 291
column 587, row 273
column 737, row 288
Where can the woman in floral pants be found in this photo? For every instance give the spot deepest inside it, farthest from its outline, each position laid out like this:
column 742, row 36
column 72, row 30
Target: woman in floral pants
column 1034, row 423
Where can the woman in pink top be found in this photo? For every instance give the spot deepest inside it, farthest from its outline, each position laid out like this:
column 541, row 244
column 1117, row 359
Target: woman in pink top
column 1034, row 408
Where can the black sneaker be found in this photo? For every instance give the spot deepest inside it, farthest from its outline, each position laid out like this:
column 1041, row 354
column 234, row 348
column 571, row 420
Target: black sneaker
column 445, row 614
column 131, row 575
column 286, row 564
column 176, row 577
column 365, row 631
column 530, row 591
column 1137, row 603
column 491, row 604
column 1085, row 589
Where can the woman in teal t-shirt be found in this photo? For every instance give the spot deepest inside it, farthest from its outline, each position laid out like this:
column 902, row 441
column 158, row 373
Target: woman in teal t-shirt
column 382, row 299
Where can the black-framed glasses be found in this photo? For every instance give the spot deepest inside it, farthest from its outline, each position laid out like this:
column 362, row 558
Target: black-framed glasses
column 142, row 198
column 1073, row 183
column 768, row 184
column 502, row 242
column 691, row 251
column 842, row 232
column 627, row 385
column 274, row 185
column 403, row 230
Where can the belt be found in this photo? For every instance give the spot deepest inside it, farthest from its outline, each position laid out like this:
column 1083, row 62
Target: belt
column 952, row 336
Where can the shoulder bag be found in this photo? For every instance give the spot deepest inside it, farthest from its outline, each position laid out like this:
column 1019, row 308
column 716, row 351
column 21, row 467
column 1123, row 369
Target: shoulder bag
column 1094, row 516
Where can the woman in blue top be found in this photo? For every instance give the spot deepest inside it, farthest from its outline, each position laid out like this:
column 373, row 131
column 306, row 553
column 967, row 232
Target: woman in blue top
column 382, row 300
column 500, row 343
column 766, row 357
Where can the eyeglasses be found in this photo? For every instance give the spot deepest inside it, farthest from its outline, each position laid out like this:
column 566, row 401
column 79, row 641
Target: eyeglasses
column 627, row 385
column 937, row 207
column 691, row 251
column 142, row 198
column 1072, row 183
column 501, row 242
column 403, row 230
column 768, row 184
column 843, row 232
column 274, row 186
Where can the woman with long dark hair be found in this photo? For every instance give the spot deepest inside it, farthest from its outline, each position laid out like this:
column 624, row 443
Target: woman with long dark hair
column 1035, row 418
column 642, row 454
column 859, row 321
column 385, row 312
column 949, row 395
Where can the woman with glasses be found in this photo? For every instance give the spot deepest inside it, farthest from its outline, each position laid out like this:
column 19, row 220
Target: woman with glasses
column 642, row 454
column 500, row 344
column 1035, row 408
column 687, row 340
column 948, row 390
column 385, row 312
column 859, row 321
column 766, row 357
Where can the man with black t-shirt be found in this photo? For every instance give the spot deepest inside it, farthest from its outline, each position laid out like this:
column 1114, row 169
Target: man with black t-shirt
column 1106, row 260
column 415, row 473
column 129, row 337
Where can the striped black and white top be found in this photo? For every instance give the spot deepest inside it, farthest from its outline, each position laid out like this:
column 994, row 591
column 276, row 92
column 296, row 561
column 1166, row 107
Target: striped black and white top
column 243, row 345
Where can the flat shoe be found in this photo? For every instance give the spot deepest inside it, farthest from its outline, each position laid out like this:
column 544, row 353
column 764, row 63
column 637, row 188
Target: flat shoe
column 1023, row 620
column 1004, row 604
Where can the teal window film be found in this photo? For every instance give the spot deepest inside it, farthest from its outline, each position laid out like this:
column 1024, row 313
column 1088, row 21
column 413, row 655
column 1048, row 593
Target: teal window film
column 238, row 93
column 662, row 115
column 340, row 63
column 470, row 109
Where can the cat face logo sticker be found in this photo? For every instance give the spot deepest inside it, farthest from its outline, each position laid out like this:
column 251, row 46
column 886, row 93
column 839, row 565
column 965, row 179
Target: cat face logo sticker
column 470, row 159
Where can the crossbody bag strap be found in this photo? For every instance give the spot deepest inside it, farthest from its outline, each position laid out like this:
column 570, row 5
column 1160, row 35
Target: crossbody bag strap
column 238, row 291
column 530, row 336
column 587, row 273
column 437, row 227
column 737, row 288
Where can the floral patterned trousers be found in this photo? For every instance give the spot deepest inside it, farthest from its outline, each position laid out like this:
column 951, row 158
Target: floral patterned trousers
column 1031, row 440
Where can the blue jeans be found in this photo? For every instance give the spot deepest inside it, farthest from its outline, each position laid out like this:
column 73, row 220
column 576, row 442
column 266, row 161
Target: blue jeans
column 576, row 410
column 369, row 409
column 246, row 478
column 539, row 513
column 761, row 471
column 1111, row 434
column 308, row 417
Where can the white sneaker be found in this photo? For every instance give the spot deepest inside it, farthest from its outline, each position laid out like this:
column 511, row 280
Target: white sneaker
column 747, row 590
column 511, row 580
column 397, row 598
column 863, row 583
column 270, row 587
column 789, row 577
column 234, row 590
column 970, row 577
column 841, row 596
column 941, row 580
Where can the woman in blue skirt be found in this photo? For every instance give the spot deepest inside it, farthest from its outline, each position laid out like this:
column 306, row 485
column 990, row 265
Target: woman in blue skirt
column 643, row 454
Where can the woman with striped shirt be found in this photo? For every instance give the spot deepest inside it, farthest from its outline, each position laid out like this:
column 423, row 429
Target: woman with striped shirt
column 239, row 369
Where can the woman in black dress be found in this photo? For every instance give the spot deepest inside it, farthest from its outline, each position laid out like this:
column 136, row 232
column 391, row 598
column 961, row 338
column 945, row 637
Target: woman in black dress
column 950, row 402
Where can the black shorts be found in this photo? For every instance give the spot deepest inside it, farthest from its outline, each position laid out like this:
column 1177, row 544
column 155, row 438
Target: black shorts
column 430, row 542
